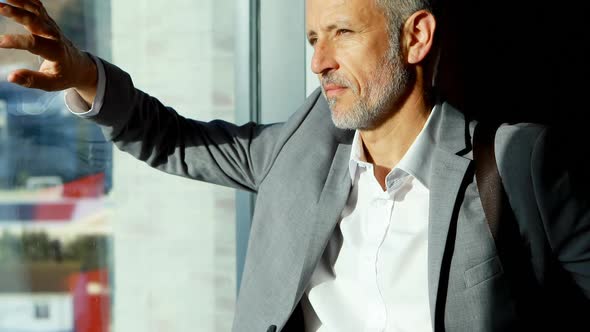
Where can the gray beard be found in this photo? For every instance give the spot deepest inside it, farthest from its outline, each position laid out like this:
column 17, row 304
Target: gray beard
column 383, row 92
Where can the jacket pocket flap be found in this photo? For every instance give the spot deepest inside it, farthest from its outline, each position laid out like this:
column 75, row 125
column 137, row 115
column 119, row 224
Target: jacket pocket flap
column 483, row 271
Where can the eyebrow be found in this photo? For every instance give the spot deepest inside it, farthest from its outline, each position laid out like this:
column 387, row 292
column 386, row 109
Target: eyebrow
column 331, row 27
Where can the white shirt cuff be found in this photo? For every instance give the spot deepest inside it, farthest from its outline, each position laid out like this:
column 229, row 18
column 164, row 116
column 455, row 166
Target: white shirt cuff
column 77, row 105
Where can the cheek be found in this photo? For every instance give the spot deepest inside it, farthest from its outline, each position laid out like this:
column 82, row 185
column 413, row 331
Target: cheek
column 364, row 77
column 361, row 69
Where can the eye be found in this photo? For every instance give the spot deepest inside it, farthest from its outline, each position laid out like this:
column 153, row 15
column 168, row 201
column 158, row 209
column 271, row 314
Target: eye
column 342, row 31
column 312, row 41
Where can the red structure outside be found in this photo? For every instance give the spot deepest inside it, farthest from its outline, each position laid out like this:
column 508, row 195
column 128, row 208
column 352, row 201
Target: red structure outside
column 92, row 301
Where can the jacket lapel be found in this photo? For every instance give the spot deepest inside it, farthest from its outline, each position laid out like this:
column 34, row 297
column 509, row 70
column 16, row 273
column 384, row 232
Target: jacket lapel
column 334, row 195
column 447, row 176
column 328, row 209
column 450, row 165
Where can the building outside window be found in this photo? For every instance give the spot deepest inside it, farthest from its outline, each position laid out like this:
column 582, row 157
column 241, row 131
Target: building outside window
column 92, row 240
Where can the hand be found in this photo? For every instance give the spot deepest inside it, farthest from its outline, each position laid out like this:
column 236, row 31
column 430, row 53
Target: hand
column 64, row 66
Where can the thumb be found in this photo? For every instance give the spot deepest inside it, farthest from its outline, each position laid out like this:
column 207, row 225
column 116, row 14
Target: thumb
column 34, row 79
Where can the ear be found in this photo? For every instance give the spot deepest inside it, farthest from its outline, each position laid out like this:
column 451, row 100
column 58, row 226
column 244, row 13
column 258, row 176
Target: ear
column 418, row 36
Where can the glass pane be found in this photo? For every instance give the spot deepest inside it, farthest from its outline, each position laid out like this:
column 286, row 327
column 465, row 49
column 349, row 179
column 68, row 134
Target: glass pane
column 92, row 240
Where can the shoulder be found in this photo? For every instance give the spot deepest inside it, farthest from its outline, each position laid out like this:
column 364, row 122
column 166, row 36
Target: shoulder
column 517, row 149
column 511, row 138
column 516, row 145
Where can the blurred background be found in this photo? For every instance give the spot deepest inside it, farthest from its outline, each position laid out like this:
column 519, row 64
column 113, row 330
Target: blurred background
column 87, row 241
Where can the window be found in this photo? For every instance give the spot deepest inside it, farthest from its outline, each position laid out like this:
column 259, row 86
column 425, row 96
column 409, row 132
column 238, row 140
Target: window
column 131, row 248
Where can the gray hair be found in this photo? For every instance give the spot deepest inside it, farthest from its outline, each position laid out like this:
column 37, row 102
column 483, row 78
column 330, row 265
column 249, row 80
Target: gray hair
column 397, row 12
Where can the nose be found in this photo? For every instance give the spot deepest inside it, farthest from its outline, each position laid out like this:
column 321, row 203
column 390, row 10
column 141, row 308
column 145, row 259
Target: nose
column 323, row 60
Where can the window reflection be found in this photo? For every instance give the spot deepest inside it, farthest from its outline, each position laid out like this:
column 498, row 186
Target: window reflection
column 55, row 172
column 88, row 244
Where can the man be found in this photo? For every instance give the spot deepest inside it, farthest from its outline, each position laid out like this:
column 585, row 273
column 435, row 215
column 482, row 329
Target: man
column 368, row 216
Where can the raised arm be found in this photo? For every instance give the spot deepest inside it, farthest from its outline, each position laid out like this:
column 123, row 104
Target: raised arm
column 217, row 152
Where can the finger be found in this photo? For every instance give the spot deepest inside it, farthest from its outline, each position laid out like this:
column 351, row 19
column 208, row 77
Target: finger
column 46, row 48
column 35, row 80
column 30, row 6
column 30, row 21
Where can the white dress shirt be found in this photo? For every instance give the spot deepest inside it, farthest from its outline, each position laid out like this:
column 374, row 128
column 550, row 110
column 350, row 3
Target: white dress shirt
column 373, row 273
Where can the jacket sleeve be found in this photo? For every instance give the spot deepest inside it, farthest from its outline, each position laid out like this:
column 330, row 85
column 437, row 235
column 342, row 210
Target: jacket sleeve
column 217, row 152
column 564, row 206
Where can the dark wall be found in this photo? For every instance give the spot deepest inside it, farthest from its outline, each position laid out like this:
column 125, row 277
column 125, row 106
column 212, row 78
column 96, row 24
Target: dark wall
column 516, row 60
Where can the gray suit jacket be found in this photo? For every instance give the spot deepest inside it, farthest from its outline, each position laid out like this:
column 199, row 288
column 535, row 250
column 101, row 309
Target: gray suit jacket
column 299, row 169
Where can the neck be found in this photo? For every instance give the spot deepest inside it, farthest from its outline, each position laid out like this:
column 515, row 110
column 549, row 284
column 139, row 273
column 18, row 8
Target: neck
column 386, row 144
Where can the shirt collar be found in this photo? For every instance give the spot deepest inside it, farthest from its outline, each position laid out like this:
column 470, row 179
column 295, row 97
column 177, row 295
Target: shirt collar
column 413, row 161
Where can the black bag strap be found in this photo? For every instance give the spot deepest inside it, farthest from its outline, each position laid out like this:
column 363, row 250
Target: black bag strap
column 491, row 191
